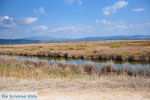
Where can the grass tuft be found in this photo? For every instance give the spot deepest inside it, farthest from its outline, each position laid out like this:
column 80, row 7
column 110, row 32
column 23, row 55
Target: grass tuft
column 115, row 46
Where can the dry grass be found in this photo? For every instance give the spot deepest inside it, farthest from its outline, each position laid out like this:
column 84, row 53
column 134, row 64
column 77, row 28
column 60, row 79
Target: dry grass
column 26, row 76
column 122, row 50
column 109, row 69
column 103, row 88
column 104, row 83
column 29, row 76
column 41, row 70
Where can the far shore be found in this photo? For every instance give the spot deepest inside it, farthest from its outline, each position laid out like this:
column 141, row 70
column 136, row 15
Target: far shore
column 129, row 50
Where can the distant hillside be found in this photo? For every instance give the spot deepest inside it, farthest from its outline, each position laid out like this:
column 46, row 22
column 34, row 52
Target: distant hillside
column 17, row 41
column 26, row 41
column 53, row 40
column 44, row 38
column 135, row 37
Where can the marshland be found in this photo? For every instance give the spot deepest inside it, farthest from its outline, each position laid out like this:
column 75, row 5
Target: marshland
column 127, row 50
column 75, row 49
column 81, row 66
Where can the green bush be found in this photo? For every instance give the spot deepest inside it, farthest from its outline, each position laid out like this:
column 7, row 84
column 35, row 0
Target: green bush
column 115, row 46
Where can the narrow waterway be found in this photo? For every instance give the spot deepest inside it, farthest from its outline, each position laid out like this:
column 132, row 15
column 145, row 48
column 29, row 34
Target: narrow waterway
column 135, row 65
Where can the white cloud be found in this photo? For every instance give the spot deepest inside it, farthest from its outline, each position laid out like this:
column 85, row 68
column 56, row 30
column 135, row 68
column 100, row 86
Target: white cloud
column 36, row 28
column 10, row 22
column 69, row 1
column 138, row 9
column 109, row 25
column 70, row 28
column 139, row 26
column 7, row 22
column 73, row 1
column 41, row 10
column 30, row 20
column 120, row 27
column 112, row 9
column 7, row 17
column 105, row 22
column 80, row 2
column 98, row 21
column 116, row 27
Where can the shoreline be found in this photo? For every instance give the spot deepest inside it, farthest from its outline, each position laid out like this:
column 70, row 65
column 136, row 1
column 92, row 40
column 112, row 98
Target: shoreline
column 92, row 57
column 131, row 50
column 62, row 69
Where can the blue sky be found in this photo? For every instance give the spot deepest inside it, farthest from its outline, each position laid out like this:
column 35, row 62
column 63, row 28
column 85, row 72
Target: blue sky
column 74, row 18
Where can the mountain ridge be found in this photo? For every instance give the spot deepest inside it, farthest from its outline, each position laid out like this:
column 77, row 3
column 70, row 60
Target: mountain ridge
column 57, row 40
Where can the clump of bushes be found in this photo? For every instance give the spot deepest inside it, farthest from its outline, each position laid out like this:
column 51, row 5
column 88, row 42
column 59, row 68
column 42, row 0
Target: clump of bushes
column 74, row 68
column 115, row 46
column 108, row 69
column 112, row 70
column 75, row 48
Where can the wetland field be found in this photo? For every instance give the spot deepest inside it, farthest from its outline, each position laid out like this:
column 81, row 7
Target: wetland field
column 102, row 70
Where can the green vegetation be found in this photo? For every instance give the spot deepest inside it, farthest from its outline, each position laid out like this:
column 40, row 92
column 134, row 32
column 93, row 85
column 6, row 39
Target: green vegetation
column 115, row 46
column 49, row 48
column 128, row 53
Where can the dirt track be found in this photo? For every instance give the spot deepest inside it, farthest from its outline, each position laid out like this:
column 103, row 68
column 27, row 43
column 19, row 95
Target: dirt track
column 106, row 95
column 103, row 88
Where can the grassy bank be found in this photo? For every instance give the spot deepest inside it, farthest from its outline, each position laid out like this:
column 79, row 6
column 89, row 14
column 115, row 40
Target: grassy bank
column 29, row 76
column 41, row 70
column 132, row 50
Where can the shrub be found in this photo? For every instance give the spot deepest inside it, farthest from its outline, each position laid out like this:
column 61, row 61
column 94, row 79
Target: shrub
column 115, row 46
column 107, row 69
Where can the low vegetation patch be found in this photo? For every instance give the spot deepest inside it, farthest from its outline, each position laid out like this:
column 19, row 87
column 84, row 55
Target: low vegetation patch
column 111, row 70
column 75, row 48
column 115, row 46
column 40, row 70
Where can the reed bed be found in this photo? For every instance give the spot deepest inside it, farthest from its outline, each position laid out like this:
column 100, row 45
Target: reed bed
column 40, row 70
column 131, row 50
column 18, row 75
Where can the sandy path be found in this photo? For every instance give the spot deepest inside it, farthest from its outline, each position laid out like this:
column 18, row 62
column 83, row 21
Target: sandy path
column 103, row 88
column 107, row 95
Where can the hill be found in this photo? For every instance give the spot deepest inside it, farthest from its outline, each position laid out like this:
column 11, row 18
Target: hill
column 31, row 40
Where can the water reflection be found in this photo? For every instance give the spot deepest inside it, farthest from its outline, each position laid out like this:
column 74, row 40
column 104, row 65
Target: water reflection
column 136, row 65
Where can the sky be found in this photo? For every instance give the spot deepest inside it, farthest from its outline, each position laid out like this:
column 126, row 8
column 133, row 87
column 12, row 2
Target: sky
column 73, row 18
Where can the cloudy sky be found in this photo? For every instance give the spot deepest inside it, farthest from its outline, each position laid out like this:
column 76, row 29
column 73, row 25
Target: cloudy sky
column 74, row 18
